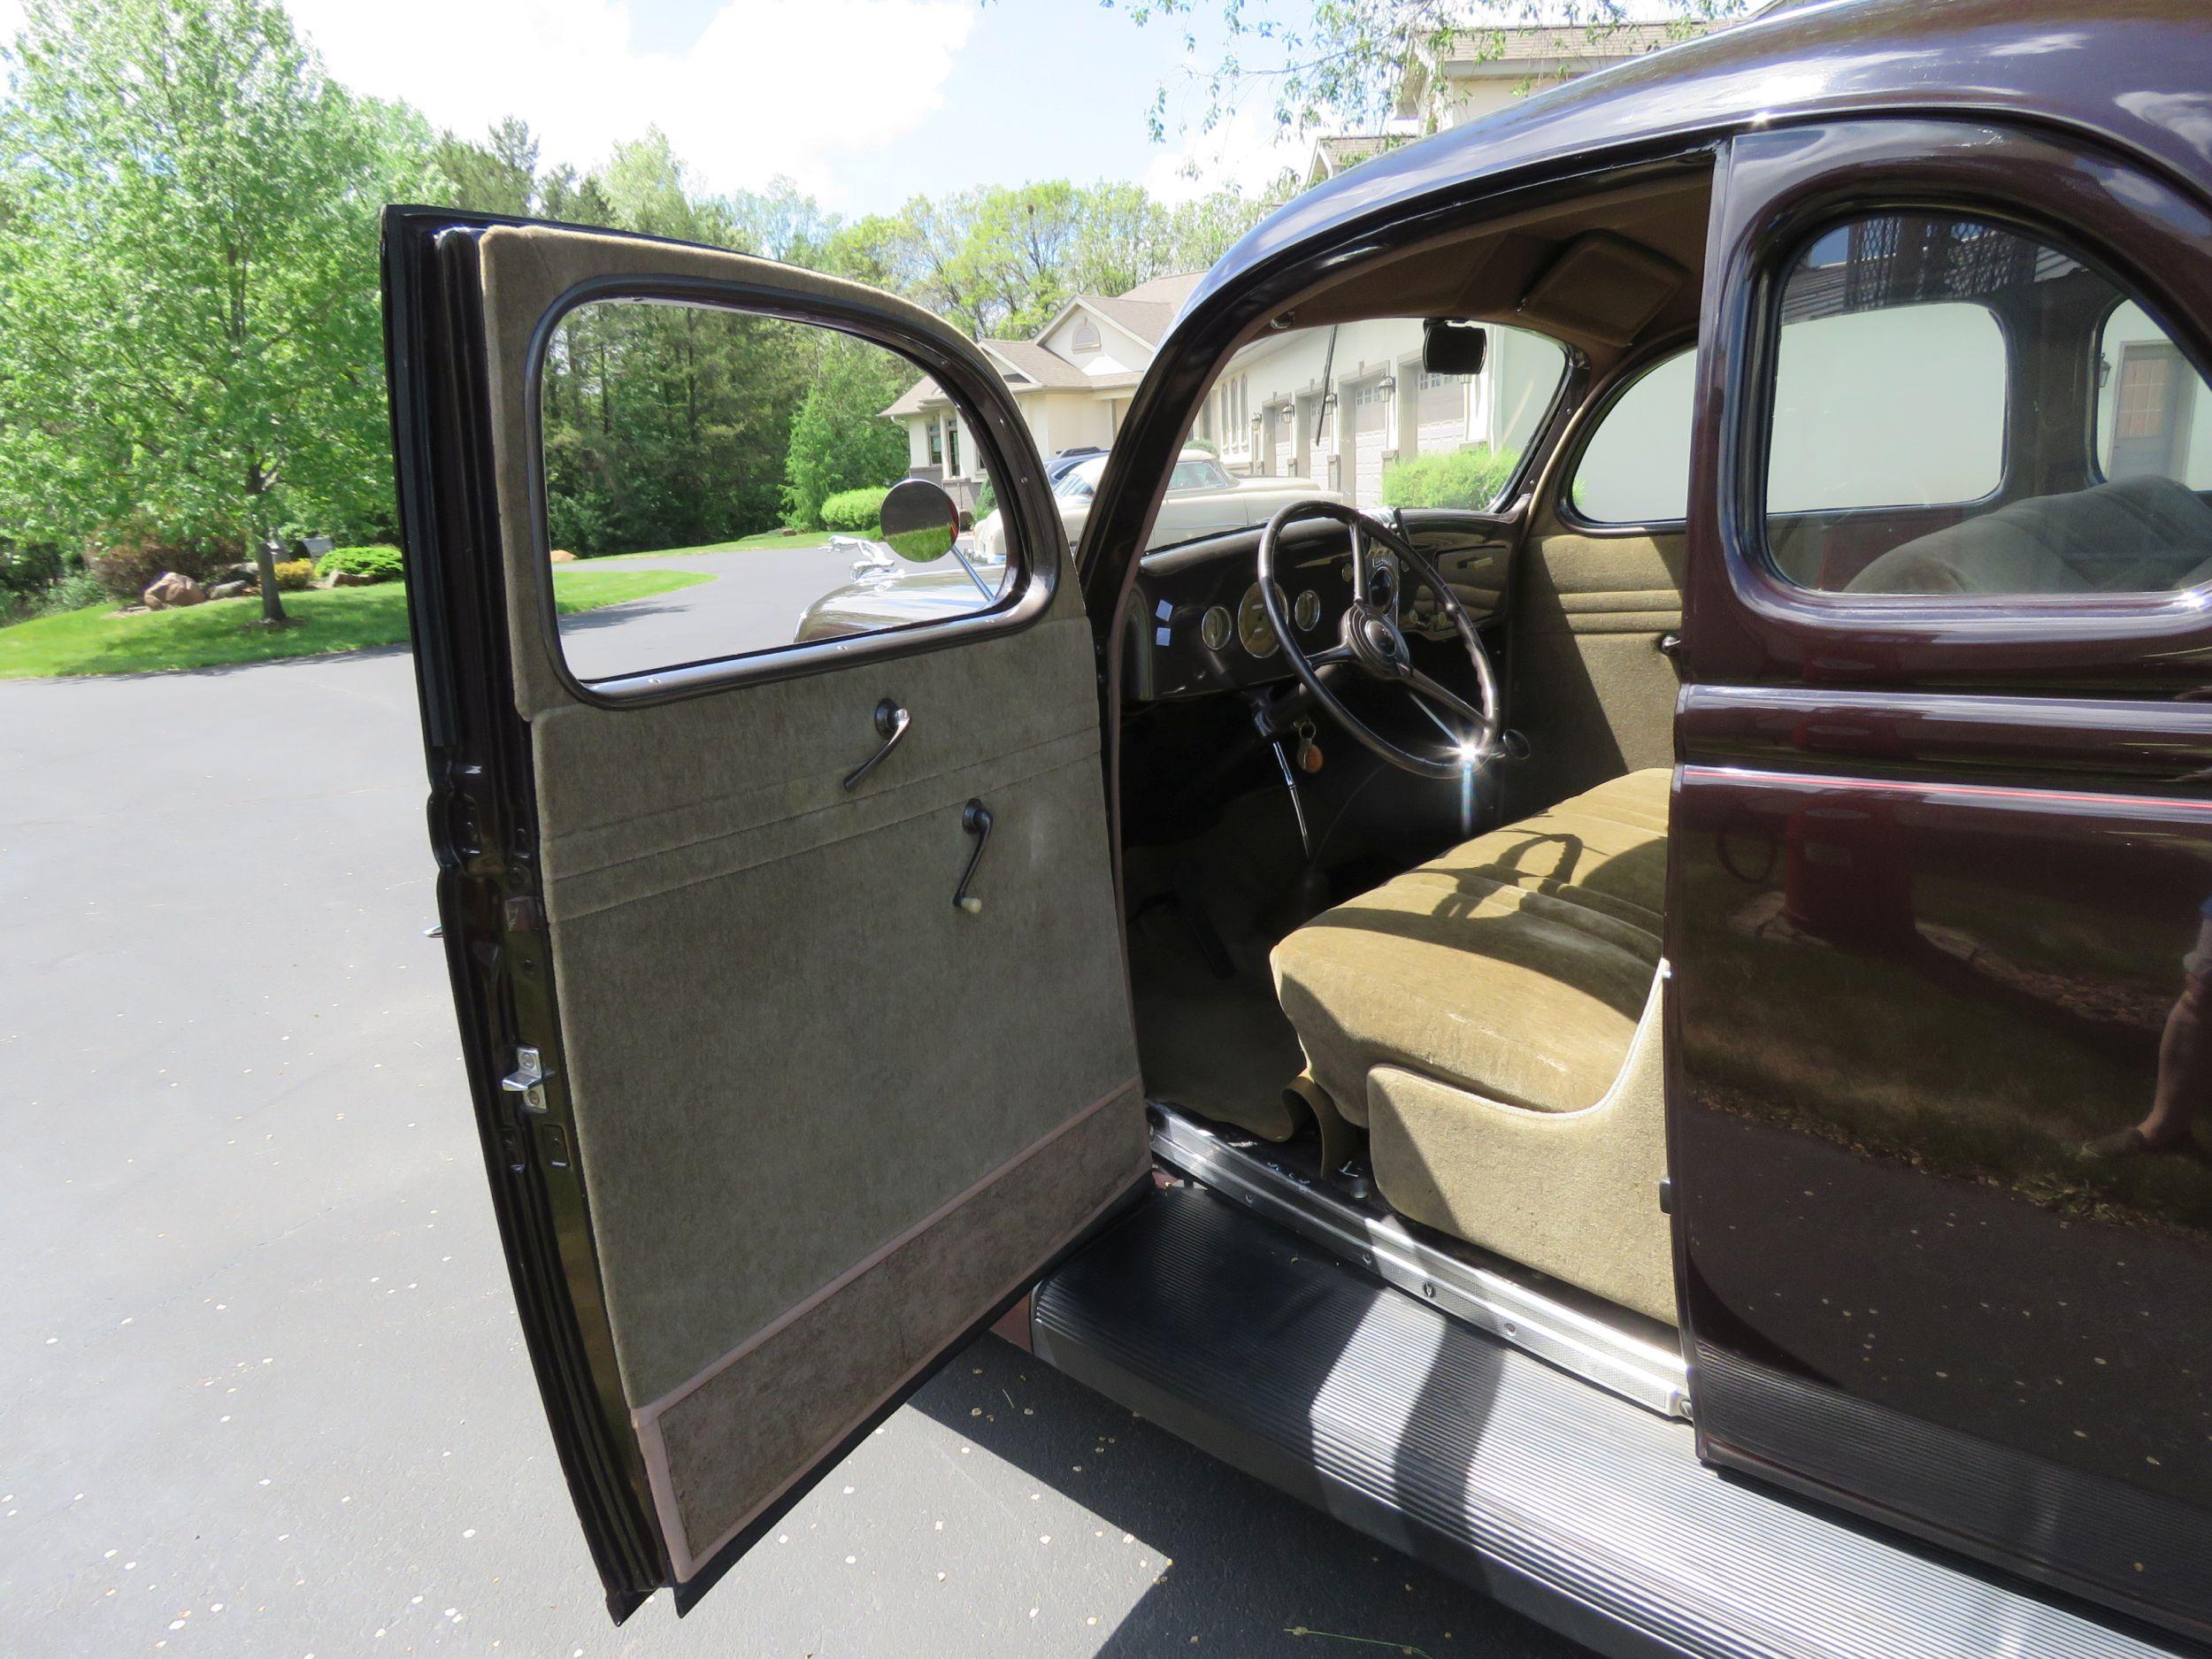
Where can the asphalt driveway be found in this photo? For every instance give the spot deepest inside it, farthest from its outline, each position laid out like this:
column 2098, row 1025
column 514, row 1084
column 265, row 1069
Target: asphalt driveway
column 261, row 1387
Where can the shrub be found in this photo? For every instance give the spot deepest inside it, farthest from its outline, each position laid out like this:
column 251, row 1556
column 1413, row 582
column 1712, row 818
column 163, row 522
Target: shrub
column 294, row 574
column 853, row 509
column 127, row 560
column 73, row 590
column 378, row 563
column 1450, row 478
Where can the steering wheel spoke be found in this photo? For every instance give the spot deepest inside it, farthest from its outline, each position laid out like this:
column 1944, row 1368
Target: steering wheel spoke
column 1375, row 642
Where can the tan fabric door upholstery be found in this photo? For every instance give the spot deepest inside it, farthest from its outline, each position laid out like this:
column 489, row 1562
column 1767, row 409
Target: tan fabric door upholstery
column 1589, row 686
column 824, row 1118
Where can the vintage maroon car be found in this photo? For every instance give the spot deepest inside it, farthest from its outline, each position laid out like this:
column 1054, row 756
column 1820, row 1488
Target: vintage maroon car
column 1643, row 1044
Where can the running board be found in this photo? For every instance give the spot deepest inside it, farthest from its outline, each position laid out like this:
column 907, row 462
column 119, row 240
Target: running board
column 1631, row 1365
column 1561, row 1499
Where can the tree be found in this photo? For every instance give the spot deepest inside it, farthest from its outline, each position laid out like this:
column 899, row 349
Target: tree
column 839, row 437
column 498, row 176
column 1348, row 65
column 189, row 316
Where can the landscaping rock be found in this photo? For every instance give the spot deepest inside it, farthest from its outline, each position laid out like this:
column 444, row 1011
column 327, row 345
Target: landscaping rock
column 350, row 579
column 561, row 556
column 171, row 592
column 229, row 590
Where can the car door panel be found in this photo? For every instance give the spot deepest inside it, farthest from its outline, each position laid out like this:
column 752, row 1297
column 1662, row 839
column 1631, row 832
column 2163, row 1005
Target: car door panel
column 823, row 1120
column 1936, row 867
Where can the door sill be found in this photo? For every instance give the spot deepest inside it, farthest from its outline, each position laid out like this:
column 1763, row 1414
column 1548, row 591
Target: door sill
column 1619, row 1351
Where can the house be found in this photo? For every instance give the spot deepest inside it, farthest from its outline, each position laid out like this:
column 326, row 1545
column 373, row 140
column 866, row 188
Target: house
column 1336, row 406
column 1073, row 381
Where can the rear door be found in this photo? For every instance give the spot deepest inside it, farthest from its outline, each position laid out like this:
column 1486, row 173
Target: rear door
column 1940, row 1090
column 788, row 975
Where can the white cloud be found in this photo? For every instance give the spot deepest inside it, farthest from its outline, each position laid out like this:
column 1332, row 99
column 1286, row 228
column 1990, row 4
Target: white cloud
column 770, row 86
column 1245, row 151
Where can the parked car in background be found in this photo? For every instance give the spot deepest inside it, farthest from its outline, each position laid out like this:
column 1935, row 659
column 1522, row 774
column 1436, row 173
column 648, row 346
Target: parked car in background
column 1203, row 498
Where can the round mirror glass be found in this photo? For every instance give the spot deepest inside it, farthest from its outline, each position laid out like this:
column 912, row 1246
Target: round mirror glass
column 920, row 520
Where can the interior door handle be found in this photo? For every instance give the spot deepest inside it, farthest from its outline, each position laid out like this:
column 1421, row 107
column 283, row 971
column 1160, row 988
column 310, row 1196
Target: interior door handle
column 1669, row 645
column 891, row 723
column 975, row 817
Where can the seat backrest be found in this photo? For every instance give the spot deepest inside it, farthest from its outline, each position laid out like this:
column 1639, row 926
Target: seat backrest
column 2131, row 536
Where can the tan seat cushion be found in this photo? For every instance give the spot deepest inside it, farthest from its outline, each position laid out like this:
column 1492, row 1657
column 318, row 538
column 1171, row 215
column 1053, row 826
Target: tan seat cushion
column 1514, row 965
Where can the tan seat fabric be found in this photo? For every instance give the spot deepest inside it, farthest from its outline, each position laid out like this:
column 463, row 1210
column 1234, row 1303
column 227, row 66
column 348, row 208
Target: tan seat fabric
column 1514, row 965
column 1493, row 1019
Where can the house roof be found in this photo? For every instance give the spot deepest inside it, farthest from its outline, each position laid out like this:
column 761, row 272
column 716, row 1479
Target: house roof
column 920, row 396
column 1539, row 51
column 1144, row 313
column 1165, row 290
column 1567, row 42
column 1046, row 368
column 1332, row 154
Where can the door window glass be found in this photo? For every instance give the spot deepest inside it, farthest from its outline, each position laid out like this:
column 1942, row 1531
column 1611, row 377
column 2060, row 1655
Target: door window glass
column 714, row 481
column 1930, row 424
column 1636, row 469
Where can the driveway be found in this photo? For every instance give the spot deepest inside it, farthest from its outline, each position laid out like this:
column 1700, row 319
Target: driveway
column 752, row 604
column 261, row 1386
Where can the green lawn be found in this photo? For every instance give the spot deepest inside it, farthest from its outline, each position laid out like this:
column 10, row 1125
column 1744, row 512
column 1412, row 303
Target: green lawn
column 99, row 641
column 743, row 544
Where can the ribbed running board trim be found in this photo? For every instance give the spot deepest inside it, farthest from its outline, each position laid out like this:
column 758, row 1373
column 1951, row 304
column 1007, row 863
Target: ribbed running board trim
column 1563, row 1500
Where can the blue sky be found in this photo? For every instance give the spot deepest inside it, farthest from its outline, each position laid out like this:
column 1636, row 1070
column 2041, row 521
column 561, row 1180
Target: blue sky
column 864, row 103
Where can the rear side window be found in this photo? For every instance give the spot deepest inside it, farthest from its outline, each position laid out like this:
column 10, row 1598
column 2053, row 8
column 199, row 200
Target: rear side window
column 1960, row 409
column 1636, row 469
column 2152, row 418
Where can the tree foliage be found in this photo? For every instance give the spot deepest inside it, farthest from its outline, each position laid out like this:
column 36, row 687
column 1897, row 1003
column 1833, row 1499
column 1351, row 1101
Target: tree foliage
column 1345, row 62
column 189, row 321
column 840, row 439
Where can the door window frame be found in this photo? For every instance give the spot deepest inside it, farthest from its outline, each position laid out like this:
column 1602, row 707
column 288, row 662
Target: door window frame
column 1031, row 581
column 1778, row 190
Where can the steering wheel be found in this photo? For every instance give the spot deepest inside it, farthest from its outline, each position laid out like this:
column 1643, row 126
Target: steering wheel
column 1371, row 637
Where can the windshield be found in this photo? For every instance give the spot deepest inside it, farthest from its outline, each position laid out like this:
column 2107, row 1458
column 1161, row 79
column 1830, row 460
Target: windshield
column 1199, row 474
column 1348, row 408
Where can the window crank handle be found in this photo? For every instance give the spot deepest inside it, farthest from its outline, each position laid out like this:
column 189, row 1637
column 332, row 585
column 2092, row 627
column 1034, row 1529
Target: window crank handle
column 975, row 819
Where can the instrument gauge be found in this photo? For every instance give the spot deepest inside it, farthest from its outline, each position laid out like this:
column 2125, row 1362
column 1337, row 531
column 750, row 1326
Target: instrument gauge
column 1254, row 631
column 1215, row 628
column 1307, row 613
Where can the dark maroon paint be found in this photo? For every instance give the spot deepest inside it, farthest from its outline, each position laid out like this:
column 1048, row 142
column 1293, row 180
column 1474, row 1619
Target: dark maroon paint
column 1934, row 866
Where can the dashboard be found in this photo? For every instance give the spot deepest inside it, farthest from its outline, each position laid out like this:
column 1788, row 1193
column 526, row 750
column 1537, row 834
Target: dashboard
column 1198, row 625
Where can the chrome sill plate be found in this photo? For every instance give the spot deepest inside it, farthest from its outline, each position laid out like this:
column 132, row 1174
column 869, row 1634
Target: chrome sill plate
column 1633, row 1366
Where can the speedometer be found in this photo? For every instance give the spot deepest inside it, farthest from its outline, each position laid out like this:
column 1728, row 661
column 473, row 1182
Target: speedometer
column 1254, row 630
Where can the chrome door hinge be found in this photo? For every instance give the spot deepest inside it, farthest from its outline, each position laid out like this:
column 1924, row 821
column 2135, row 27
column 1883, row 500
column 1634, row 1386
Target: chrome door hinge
column 527, row 1079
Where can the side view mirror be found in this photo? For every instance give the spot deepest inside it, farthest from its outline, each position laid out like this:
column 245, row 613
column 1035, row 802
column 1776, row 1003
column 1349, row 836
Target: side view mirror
column 1453, row 345
column 920, row 520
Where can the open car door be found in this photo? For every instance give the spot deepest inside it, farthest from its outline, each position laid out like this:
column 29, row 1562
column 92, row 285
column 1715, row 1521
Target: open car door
column 789, row 976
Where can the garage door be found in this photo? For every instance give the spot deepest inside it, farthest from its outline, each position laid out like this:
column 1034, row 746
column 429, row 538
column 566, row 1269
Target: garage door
column 1440, row 416
column 1370, row 429
column 1284, row 430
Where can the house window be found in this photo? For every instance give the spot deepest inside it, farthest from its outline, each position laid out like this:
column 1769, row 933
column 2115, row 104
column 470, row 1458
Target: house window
column 1086, row 335
column 936, row 442
column 952, row 447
